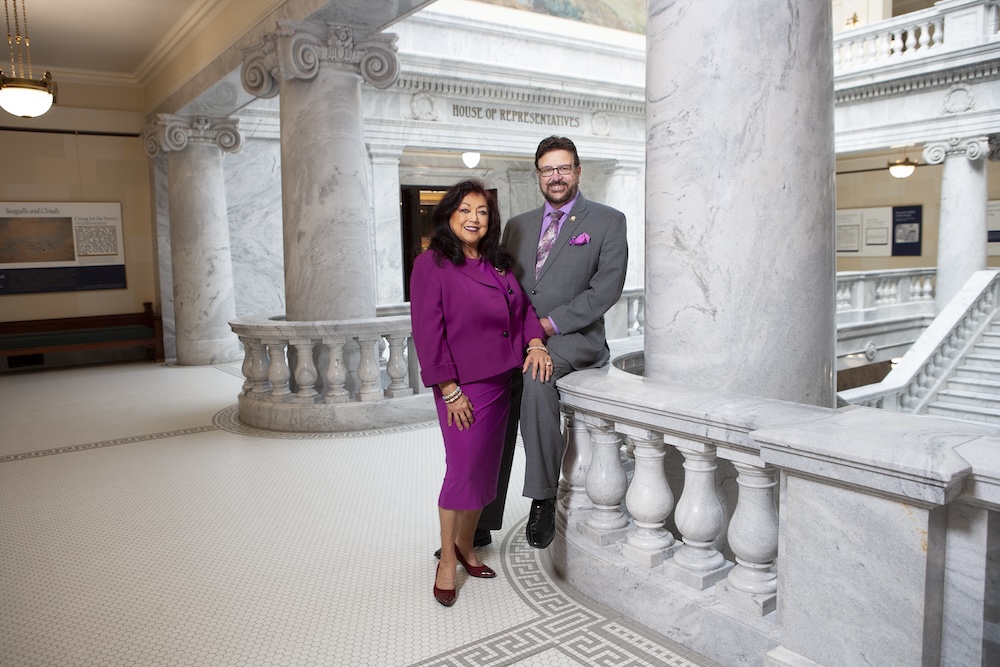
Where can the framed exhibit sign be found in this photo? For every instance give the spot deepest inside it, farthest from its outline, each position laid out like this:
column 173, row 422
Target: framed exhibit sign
column 993, row 228
column 885, row 231
column 60, row 247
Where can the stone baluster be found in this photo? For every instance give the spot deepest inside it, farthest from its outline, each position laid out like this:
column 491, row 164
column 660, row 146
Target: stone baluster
column 368, row 369
column 258, row 369
column 396, row 367
column 305, row 371
column 938, row 24
column 871, row 49
column 884, row 45
column 606, row 485
column 649, row 500
column 575, row 464
column 336, row 373
column 640, row 314
column 278, row 373
column 925, row 36
column 247, row 362
column 753, row 536
column 911, row 40
column 700, row 518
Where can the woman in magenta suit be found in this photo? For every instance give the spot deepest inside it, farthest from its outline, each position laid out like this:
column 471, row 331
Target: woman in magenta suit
column 473, row 327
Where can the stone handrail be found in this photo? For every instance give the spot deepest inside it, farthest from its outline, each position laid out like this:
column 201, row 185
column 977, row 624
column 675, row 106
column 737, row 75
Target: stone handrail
column 912, row 35
column 925, row 367
column 868, row 296
column 298, row 373
column 945, row 27
column 670, row 492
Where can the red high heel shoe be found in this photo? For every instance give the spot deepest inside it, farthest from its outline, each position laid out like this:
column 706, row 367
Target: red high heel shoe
column 445, row 596
column 482, row 571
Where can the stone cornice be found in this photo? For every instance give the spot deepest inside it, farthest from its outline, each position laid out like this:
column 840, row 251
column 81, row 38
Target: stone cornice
column 976, row 73
column 431, row 85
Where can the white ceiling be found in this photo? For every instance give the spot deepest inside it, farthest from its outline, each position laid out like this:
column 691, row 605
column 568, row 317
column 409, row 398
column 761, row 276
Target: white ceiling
column 113, row 38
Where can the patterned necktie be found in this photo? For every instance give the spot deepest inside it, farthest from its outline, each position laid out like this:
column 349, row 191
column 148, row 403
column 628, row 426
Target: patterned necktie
column 548, row 238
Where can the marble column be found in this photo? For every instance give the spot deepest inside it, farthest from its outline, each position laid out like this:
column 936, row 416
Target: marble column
column 388, row 240
column 317, row 68
column 204, row 300
column 740, row 271
column 962, row 223
column 622, row 192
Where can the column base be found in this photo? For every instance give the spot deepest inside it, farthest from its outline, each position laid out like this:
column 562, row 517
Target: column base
column 337, row 417
column 209, row 352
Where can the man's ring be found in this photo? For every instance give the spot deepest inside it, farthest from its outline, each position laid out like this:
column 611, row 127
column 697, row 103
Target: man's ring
column 548, row 363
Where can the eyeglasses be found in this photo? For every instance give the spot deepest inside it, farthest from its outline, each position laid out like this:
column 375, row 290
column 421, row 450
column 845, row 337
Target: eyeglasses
column 563, row 169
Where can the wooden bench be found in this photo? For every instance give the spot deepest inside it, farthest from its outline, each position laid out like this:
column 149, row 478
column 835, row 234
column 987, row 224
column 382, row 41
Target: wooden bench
column 32, row 337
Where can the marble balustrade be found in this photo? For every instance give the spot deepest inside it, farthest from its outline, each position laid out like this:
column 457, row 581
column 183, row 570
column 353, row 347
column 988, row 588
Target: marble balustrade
column 866, row 296
column 324, row 376
column 925, row 367
column 670, row 512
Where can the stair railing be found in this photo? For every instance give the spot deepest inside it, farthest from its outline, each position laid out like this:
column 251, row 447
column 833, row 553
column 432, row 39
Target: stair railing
column 933, row 358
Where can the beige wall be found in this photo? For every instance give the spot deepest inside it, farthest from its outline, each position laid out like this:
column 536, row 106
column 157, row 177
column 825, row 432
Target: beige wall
column 877, row 188
column 68, row 167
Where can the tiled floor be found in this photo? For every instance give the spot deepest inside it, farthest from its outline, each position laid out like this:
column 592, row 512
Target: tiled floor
column 140, row 524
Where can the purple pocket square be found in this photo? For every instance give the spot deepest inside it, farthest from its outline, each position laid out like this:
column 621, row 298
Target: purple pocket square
column 580, row 239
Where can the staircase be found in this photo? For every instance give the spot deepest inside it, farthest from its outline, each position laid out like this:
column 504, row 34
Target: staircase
column 973, row 391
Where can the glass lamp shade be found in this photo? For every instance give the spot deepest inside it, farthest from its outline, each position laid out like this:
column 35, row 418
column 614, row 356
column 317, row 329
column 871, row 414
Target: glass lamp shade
column 902, row 168
column 470, row 158
column 27, row 97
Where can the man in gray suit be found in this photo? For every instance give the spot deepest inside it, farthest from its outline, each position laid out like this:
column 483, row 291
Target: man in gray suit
column 570, row 259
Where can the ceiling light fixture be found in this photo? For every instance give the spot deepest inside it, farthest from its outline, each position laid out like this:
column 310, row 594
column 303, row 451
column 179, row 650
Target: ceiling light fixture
column 902, row 168
column 21, row 94
column 471, row 159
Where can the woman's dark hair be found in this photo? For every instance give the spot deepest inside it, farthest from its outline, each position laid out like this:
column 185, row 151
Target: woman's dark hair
column 555, row 143
column 448, row 246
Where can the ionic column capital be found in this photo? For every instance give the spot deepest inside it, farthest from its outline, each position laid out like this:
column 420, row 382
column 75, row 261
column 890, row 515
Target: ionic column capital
column 174, row 133
column 973, row 148
column 298, row 48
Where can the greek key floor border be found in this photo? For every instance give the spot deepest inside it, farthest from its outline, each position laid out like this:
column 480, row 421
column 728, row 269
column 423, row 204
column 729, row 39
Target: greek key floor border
column 581, row 633
column 128, row 440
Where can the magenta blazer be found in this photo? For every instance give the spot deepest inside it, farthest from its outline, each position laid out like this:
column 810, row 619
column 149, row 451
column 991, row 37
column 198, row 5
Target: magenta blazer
column 468, row 326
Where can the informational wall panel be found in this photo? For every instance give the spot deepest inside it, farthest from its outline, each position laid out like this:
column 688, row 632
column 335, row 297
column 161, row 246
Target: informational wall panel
column 60, row 247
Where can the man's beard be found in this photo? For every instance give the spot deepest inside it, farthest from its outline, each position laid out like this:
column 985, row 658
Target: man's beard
column 558, row 200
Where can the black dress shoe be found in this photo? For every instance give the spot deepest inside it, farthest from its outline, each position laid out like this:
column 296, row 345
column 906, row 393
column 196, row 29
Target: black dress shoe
column 482, row 538
column 541, row 526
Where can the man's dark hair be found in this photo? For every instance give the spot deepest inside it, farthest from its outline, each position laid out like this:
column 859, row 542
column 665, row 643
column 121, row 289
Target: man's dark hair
column 448, row 246
column 555, row 143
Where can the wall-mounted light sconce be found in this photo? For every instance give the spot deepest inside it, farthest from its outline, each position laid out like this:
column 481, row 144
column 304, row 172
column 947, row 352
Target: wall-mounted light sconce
column 853, row 21
column 902, row 168
column 21, row 94
column 471, row 159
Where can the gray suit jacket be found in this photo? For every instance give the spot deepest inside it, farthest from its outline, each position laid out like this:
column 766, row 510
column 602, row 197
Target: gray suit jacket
column 579, row 281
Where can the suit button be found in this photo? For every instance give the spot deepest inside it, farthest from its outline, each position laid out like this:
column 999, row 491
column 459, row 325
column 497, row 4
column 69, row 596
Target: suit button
column 510, row 291
column 505, row 334
column 534, row 292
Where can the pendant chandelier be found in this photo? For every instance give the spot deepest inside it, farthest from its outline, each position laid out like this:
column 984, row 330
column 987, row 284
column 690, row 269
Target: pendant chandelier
column 20, row 93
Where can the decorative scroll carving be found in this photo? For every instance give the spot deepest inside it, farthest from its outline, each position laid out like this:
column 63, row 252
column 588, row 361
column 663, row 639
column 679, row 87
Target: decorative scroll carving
column 299, row 48
column 995, row 148
column 174, row 133
column 974, row 149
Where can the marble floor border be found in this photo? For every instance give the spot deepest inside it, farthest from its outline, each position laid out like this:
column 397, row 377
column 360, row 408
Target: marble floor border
column 580, row 630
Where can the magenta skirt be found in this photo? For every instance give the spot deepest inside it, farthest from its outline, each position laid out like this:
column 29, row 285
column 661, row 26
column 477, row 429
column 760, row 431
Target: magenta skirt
column 472, row 456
